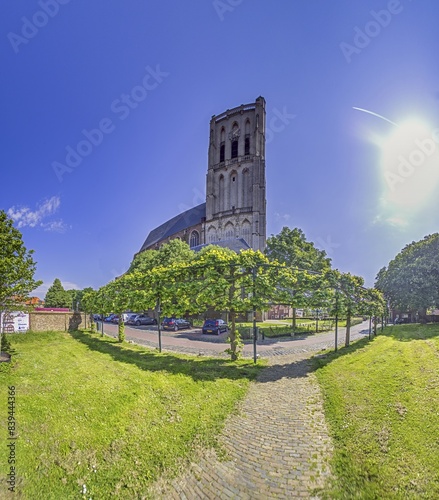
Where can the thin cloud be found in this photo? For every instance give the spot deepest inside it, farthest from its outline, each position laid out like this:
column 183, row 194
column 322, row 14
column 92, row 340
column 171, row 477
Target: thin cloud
column 25, row 217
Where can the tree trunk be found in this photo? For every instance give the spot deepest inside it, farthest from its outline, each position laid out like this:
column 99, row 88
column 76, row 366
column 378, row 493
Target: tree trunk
column 233, row 337
column 294, row 320
column 348, row 329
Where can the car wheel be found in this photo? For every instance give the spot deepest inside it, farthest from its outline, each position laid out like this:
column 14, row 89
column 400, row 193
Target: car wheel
column 154, row 322
column 175, row 328
column 137, row 323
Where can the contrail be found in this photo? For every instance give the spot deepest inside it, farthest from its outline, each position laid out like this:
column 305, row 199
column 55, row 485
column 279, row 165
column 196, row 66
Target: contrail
column 376, row 114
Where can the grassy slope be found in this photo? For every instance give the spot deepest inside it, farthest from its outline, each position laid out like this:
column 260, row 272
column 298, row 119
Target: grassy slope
column 113, row 417
column 382, row 403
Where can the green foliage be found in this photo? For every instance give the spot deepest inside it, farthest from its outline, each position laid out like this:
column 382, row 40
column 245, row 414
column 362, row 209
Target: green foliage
column 410, row 282
column 17, row 267
column 169, row 253
column 115, row 417
column 291, row 247
column 381, row 402
column 56, row 296
column 236, row 345
column 5, row 344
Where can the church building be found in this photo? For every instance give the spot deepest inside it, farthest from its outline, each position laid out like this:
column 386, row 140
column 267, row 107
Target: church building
column 234, row 214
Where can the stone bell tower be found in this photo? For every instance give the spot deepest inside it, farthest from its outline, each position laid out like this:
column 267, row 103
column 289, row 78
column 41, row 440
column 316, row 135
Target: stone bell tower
column 235, row 190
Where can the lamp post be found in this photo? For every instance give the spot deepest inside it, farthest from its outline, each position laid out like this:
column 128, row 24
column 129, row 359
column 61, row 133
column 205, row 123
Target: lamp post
column 336, row 319
column 254, row 316
column 158, row 310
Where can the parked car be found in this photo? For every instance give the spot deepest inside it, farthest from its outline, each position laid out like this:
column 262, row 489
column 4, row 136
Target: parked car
column 109, row 318
column 115, row 318
column 142, row 319
column 175, row 324
column 215, row 326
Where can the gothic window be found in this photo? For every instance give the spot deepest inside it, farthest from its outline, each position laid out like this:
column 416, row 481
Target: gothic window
column 222, row 144
column 194, row 239
column 233, row 200
column 247, row 138
column 221, row 194
column 211, row 234
column 229, row 231
column 234, row 138
column 247, row 145
column 246, row 189
column 246, row 231
column 235, row 149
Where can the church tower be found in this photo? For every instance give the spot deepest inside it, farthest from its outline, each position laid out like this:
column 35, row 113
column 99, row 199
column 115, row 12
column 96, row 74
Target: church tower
column 235, row 190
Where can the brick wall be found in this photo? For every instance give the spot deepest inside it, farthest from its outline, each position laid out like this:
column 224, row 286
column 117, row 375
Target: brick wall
column 40, row 321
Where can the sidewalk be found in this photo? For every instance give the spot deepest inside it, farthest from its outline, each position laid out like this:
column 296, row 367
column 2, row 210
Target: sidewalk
column 276, row 446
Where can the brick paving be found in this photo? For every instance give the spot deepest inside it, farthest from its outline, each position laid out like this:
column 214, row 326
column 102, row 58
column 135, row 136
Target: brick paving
column 280, row 447
column 277, row 445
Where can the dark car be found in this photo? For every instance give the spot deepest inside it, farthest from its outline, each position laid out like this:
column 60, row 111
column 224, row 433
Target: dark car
column 142, row 319
column 215, row 326
column 175, row 324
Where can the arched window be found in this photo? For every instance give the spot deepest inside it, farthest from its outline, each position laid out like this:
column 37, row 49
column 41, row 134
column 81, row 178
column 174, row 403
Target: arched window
column 229, row 231
column 233, row 183
column 234, row 137
column 222, row 145
column 235, row 149
column 246, row 231
column 194, row 239
column 221, row 195
column 246, row 189
column 211, row 234
column 247, row 138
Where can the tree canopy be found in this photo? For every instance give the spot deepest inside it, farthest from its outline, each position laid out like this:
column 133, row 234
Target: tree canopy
column 57, row 296
column 411, row 280
column 173, row 251
column 17, row 267
column 291, row 247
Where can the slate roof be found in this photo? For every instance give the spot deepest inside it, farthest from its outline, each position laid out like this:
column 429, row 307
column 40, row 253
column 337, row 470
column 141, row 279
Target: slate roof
column 178, row 223
column 235, row 244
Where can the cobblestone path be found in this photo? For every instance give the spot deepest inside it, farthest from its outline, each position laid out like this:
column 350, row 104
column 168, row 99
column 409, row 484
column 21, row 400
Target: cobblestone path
column 280, row 446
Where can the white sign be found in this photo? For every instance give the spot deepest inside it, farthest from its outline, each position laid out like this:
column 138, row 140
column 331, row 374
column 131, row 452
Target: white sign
column 14, row 322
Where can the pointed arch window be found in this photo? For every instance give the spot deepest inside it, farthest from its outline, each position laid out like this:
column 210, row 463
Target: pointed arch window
column 229, row 231
column 194, row 239
column 222, row 144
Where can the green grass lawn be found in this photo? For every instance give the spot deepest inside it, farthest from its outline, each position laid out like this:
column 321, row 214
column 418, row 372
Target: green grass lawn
column 382, row 404
column 113, row 417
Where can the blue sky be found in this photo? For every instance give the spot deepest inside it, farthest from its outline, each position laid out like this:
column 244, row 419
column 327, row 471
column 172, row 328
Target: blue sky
column 359, row 186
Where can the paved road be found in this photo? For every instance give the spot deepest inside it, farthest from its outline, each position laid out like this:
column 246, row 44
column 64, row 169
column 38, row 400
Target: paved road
column 194, row 342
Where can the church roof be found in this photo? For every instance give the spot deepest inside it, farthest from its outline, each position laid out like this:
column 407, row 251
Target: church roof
column 235, row 244
column 178, row 223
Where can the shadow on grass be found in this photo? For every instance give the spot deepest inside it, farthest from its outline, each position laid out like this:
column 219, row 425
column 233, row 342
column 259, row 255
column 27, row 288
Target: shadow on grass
column 413, row 331
column 308, row 363
column 199, row 369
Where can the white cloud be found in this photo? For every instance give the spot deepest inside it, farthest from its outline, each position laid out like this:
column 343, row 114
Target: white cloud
column 25, row 217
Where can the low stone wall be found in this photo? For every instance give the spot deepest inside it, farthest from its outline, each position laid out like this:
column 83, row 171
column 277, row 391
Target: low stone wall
column 41, row 321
